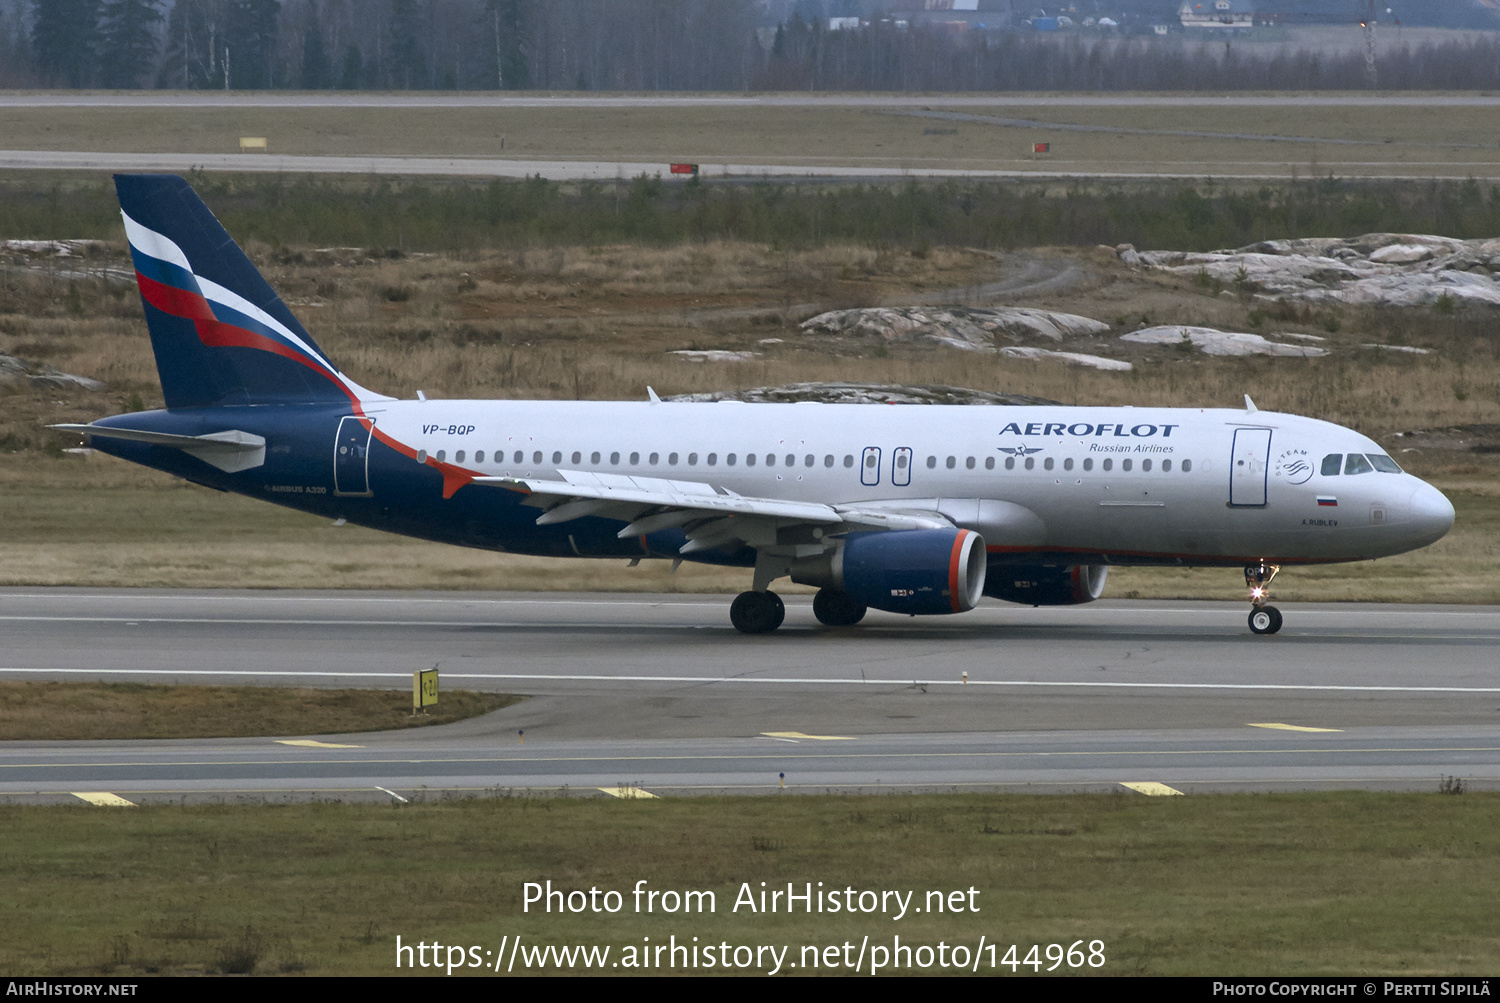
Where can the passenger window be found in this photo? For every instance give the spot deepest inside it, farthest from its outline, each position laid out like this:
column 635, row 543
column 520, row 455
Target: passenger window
column 577, row 457
column 479, row 456
column 848, row 460
column 1047, row 463
column 828, row 460
column 989, row 463
column 653, row 458
column 750, row 460
column 807, row 460
column 442, row 455
column 1354, row 463
column 791, row 460
column 1126, row 465
column 1088, row 463
column 969, row 463
column 692, row 459
column 536, row 457
column 1331, row 464
column 557, row 456
column 900, row 461
column 421, row 456
column 1166, row 466
column 671, row 459
column 713, row 458
column 614, row 459
column 635, row 459
column 1030, row 462
column 1146, row 466
column 593, row 458
column 1384, row 463
column 870, row 462
column 1108, row 464
column 728, row 459
column 1010, row 463
column 458, row 457
column 932, row 463
column 1187, row 466
column 952, row 462
column 1068, row 463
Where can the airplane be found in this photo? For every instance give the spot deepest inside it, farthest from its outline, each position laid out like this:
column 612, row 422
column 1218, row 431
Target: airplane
column 919, row 510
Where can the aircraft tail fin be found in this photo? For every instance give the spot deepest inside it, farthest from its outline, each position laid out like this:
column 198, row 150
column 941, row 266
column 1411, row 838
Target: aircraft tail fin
column 221, row 335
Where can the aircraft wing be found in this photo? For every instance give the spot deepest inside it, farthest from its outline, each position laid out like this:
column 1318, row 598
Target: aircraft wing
column 710, row 516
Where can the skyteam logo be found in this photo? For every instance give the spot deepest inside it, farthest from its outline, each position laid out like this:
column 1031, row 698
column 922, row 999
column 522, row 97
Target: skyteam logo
column 1294, row 467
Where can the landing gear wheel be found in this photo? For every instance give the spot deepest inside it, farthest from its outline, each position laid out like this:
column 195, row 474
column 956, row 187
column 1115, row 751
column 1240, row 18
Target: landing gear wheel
column 1265, row 620
column 837, row 609
column 757, row 612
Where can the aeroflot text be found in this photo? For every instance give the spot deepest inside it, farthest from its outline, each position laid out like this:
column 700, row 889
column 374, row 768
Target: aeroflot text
column 806, row 898
column 1083, row 428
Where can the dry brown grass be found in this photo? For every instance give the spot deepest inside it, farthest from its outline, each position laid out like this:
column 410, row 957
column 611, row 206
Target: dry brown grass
column 597, row 323
column 87, row 711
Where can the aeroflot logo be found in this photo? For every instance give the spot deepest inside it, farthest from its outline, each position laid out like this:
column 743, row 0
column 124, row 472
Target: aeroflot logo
column 1083, row 428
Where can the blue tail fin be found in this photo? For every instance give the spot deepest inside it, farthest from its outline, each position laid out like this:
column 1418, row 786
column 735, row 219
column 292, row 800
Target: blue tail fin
column 220, row 334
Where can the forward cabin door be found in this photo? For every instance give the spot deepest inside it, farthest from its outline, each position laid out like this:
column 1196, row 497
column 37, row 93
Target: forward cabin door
column 351, row 456
column 1249, row 465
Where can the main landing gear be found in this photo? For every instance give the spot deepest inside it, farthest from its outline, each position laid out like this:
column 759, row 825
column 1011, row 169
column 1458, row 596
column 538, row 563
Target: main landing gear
column 837, row 609
column 757, row 612
column 1264, row 619
column 762, row 612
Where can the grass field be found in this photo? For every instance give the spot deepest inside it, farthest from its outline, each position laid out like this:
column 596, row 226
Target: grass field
column 92, row 711
column 1363, row 141
column 1233, row 885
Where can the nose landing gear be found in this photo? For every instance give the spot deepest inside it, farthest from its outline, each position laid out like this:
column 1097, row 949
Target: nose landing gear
column 1264, row 619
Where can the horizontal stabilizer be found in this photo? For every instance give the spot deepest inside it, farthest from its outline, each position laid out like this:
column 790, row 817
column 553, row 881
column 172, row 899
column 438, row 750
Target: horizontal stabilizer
column 230, row 451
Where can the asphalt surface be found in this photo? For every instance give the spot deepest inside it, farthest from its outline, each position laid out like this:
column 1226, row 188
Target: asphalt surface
column 658, row 693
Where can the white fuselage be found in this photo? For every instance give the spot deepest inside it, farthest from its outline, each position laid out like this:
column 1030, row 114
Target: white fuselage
column 1125, row 484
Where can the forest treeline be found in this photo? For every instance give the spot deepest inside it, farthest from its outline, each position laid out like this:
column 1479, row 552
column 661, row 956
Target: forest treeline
column 394, row 216
column 649, row 45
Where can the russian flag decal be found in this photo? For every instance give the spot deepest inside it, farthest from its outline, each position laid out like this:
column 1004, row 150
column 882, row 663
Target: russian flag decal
column 1328, row 501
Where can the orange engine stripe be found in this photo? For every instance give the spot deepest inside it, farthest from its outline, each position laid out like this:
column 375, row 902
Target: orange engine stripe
column 953, row 562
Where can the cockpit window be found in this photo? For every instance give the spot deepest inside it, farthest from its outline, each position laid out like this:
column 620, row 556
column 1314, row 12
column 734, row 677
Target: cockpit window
column 1357, row 464
column 1383, row 463
column 1331, row 464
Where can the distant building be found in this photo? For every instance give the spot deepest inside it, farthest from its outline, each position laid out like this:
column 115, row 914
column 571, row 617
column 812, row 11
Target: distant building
column 1217, row 14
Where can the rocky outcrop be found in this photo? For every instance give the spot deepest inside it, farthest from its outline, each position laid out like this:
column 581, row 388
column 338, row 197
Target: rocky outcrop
column 14, row 370
column 957, row 327
column 1377, row 269
column 862, row 393
column 1211, row 341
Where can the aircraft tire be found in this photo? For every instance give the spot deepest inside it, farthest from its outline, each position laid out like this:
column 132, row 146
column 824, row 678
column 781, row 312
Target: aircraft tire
column 836, row 609
column 1265, row 620
column 757, row 612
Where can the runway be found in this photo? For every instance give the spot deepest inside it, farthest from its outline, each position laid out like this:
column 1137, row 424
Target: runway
column 844, row 169
column 659, row 693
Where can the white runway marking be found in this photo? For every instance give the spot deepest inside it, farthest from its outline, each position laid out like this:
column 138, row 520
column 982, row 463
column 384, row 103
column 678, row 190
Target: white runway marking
column 763, row 680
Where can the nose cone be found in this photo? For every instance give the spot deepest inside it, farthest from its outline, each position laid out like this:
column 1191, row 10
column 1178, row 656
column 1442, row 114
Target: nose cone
column 1431, row 514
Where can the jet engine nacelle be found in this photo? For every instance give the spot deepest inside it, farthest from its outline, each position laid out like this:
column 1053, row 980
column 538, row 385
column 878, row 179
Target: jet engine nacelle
column 1046, row 585
column 917, row 571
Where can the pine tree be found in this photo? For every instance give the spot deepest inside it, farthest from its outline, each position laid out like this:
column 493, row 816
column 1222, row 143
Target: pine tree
column 251, row 43
column 128, row 42
column 63, row 36
column 406, row 63
column 317, row 71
